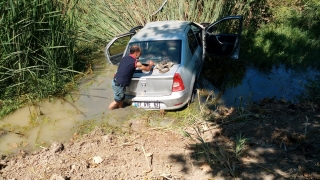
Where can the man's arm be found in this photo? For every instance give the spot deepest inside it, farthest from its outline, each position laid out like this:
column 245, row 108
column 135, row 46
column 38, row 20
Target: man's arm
column 145, row 67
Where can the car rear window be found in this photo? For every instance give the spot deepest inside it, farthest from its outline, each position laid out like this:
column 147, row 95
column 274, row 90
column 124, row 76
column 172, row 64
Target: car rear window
column 157, row 51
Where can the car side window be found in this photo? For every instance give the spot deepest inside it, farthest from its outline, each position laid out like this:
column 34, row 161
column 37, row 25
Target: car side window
column 193, row 43
column 197, row 32
column 119, row 45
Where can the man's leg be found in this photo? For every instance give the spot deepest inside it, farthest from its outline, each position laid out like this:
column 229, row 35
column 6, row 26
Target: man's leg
column 118, row 96
column 120, row 104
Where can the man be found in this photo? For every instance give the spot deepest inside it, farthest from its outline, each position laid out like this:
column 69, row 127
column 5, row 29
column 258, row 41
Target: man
column 123, row 76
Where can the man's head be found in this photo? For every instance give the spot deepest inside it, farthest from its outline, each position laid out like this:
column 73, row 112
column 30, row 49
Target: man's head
column 135, row 51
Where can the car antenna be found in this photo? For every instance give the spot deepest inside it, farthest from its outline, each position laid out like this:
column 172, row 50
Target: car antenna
column 164, row 3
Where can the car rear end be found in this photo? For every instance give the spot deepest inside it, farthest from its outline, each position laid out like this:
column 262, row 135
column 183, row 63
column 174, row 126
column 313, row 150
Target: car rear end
column 159, row 88
column 157, row 91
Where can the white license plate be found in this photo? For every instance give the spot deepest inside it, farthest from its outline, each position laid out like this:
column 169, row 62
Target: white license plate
column 147, row 105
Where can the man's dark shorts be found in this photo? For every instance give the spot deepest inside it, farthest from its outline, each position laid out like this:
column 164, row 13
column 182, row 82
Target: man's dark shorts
column 118, row 91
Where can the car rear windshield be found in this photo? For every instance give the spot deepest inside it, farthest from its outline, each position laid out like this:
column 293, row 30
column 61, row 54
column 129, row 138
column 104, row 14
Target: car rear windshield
column 158, row 51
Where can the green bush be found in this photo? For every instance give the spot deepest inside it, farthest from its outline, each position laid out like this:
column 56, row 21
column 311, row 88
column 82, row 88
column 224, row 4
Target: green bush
column 290, row 36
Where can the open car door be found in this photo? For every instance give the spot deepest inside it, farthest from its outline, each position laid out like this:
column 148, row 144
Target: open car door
column 116, row 47
column 222, row 37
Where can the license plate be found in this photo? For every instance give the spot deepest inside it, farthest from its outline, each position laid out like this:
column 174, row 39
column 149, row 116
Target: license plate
column 147, row 105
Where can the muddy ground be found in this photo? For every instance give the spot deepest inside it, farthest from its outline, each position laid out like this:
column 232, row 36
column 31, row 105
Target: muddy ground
column 274, row 140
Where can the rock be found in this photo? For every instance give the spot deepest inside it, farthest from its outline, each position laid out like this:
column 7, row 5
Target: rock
column 74, row 168
column 56, row 147
column 107, row 138
column 3, row 164
column 97, row 159
column 57, row 177
column 205, row 167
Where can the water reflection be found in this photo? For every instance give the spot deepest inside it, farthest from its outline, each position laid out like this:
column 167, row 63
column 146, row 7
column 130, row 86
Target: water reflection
column 235, row 83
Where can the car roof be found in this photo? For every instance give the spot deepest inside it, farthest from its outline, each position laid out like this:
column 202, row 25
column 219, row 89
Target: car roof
column 161, row 30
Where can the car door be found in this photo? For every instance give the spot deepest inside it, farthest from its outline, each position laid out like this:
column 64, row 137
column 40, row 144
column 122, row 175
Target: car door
column 116, row 47
column 222, row 38
column 192, row 62
column 198, row 31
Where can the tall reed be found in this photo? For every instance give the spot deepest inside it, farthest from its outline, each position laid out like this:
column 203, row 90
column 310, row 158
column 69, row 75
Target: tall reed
column 37, row 47
column 101, row 20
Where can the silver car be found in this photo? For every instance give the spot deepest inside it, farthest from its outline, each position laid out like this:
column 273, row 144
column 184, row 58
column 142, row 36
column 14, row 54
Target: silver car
column 178, row 49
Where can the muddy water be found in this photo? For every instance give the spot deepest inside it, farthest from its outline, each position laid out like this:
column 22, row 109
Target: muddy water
column 35, row 127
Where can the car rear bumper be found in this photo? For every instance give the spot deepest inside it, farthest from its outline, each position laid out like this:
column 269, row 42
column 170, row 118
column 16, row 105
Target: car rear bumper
column 174, row 101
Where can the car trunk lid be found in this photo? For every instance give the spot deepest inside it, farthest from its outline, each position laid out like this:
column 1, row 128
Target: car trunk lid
column 152, row 83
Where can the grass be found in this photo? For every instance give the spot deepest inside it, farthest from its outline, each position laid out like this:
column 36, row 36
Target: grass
column 86, row 126
column 239, row 144
column 213, row 153
column 198, row 128
column 37, row 50
column 311, row 93
column 240, row 106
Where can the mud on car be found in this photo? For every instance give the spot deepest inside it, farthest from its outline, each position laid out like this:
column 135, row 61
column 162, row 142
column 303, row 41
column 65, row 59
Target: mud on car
column 178, row 49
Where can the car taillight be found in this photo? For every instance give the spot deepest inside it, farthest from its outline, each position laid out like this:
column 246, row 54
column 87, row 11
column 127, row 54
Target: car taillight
column 177, row 83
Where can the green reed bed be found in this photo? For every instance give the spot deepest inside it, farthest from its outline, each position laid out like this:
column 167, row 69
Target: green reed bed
column 102, row 20
column 37, row 49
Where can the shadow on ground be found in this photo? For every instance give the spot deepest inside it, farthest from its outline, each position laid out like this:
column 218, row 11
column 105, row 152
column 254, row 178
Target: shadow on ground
column 271, row 139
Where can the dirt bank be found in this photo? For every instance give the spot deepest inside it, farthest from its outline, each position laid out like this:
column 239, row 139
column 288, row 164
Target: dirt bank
column 271, row 139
